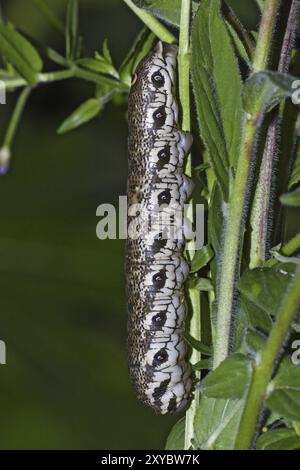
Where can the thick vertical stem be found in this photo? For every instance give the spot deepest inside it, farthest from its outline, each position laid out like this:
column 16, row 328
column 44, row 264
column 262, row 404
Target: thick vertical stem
column 261, row 217
column 184, row 99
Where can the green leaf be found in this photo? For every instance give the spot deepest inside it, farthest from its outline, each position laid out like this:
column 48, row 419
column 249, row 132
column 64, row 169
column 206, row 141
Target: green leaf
column 295, row 177
column 255, row 341
column 140, row 48
column 265, row 90
column 278, row 439
column 86, row 111
column 217, row 87
column 258, row 318
column 285, row 397
column 47, row 51
column 71, row 29
column 291, row 199
column 175, row 440
column 230, row 379
column 198, row 345
column 216, row 423
column 200, row 284
column 106, row 52
column 99, row 65
column 202, row 364
column 166, row 10
column 296, row 426
column 295, row 174
column 266, row 287
column 19, row 52
column 201, row 258
column 240, row 48
column 202, row 167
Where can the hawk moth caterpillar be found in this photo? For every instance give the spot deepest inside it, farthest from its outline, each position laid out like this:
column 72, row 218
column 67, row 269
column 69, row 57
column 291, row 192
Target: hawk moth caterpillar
column 155, row 268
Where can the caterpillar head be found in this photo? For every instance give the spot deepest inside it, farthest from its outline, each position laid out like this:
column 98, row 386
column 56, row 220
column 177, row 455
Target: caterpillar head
column 157, row 71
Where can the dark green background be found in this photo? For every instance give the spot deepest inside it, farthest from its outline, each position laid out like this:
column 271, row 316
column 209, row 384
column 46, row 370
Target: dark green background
column 63, row 309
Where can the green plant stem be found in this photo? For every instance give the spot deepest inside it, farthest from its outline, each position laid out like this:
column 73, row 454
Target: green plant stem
column 242, row 33
column 265, row 35
column 195, row 330
column 184, row 100
column 184, row 65
column 74, row 72
column 16, row 116
column 152, row 23
column 235, row 223
column 291, row 246
column 264, row 366
column 49, row 77
column 262, row 207
column 260, row 216
column 5, row 152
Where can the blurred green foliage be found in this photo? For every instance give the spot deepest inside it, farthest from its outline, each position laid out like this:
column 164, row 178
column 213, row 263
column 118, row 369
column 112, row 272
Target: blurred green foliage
column 63, row 308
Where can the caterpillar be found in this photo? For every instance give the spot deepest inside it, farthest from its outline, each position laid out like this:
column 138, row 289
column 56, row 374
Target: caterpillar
column 155, row 268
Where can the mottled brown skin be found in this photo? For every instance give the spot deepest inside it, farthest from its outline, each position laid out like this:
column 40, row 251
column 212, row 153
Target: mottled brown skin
column 155, row 268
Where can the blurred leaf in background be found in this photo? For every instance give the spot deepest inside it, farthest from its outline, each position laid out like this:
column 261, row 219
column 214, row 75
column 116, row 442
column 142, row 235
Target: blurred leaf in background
column 63, row 308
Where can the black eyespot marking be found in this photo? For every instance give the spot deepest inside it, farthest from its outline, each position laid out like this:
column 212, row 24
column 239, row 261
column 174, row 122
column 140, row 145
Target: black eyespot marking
column 160, row 357
column 159, row 117
column 172, row 405
column 159, row 242
column 164, row 197
column 159, row 279
column 164, row 156
column 159, row 391
column 157, row 79
column 159, row 320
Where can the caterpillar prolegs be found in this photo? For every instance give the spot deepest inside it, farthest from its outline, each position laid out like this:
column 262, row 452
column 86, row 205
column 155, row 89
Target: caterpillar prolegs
column 155, row 268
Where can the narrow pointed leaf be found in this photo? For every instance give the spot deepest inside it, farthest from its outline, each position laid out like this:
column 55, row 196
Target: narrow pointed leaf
column 99, row 65
column 201, row 258
column 217, row 88
column 140, row 48
column 87, row 111
column 264, row 90
column 20, row 53
column 71, row 29
column 291, row 199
